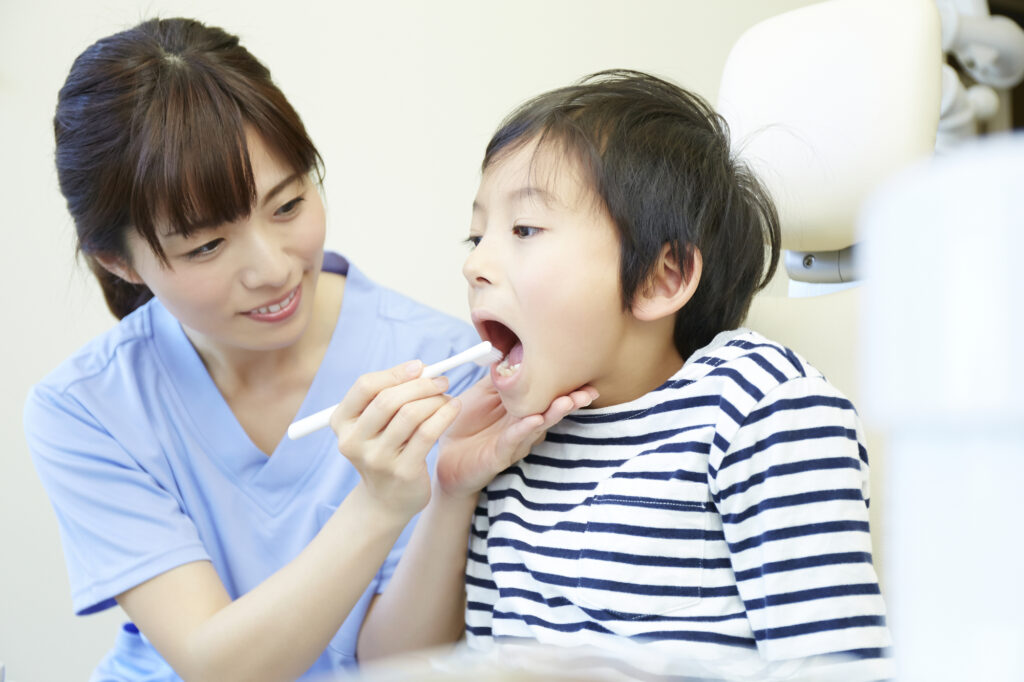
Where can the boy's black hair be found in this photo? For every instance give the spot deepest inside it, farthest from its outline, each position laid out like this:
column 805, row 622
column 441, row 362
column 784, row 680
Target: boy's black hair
column 658, row 157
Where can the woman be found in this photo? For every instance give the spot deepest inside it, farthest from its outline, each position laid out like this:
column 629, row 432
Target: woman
column 238, row 554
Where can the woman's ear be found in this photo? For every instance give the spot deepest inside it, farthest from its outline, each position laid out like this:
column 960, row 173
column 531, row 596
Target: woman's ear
column 116, row 266
column 670, row 286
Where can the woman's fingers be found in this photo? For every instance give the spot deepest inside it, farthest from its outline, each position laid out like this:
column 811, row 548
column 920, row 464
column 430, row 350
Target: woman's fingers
column 369, row 386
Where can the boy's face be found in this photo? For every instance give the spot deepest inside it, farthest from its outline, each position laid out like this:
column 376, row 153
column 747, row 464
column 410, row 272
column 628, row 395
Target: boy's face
column 544, row 282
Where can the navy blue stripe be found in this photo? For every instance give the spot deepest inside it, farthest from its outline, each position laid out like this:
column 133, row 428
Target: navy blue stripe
column 559, row 627
column 536, row 527
column 538, row 483
column 530, row 504
column 480, row 582
column 801, row 403
column 740, row 381
column 834, row 559
column 796, row 500
column 803, row 466
column 479, row 631
column 652, row 502
column 799, row 531
column 678, row 474
column 476, row 556
column 814, row 594
column 617, row 585
column 813, row 433
column 786, row 353
column 557, row 463
column 608, row 616
column 616, row 528
column 477, row 606
column 651, row 532
column 619, row 557
column 542, row 550
column 862, row 654
column 697, row 636
column 650, row 437
column 768, row 367
column 667, row 406
column 820, row 626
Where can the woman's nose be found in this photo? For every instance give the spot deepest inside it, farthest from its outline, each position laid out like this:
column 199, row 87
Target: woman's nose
column 267, row 263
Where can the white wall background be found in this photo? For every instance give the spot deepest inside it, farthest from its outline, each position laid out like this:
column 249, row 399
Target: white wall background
column 400, row 96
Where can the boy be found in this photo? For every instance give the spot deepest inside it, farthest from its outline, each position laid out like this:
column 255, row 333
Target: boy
column 713, row 501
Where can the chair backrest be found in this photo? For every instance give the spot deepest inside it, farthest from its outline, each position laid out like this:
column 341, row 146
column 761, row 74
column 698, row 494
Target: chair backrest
column 824, row 103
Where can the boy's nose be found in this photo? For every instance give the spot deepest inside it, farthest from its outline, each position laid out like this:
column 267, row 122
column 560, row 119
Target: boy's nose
column 476, row 268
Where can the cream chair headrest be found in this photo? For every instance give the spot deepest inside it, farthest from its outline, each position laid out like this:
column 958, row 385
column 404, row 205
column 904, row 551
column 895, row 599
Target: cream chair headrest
column 826, row 101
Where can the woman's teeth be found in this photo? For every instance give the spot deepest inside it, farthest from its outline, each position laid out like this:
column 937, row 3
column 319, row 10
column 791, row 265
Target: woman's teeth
column 506, row 370
column 274, row 307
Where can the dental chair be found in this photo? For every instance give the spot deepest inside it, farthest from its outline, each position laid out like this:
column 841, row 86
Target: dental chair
column 824, row 103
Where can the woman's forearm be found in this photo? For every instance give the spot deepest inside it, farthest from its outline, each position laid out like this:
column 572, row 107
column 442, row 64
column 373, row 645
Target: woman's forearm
column 277, row 630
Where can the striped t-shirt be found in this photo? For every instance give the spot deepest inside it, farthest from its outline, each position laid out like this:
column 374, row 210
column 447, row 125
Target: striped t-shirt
column 723, row 513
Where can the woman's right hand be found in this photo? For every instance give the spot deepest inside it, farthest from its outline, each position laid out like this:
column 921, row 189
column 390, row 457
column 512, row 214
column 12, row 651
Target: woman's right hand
column 386, row 425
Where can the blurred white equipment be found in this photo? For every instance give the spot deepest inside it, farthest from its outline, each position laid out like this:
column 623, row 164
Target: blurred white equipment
column 825, row 102
column 990, row 49
column 943, row 368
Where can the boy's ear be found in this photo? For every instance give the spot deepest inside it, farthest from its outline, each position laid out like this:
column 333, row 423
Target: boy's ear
column 117, row 267
column 668, row 288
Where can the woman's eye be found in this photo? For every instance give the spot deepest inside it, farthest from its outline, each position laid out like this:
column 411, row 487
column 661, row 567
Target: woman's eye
column 204, row 250
column 523, row 231
column 290, row 207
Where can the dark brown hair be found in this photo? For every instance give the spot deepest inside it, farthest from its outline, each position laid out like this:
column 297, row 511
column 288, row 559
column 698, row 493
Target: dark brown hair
column 658, row 157
column 150, row 128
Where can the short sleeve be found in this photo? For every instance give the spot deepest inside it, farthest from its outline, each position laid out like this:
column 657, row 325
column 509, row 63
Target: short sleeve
column 791, row 488
column 118, row 526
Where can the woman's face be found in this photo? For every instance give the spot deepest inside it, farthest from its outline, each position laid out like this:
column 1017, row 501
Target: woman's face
column 248, row 284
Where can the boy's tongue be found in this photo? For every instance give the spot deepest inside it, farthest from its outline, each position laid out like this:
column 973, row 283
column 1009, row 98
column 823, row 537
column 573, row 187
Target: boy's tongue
column 515, row 356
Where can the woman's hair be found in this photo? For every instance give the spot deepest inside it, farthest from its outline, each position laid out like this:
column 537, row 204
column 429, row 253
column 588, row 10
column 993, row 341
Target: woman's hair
column 150, row 131
column 658, row 158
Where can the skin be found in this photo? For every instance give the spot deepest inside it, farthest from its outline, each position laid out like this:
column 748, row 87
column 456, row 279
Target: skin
column 541, row 266
column 386, row 425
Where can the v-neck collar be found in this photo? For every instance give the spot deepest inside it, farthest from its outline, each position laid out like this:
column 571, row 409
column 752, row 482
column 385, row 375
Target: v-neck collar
column 271, row 481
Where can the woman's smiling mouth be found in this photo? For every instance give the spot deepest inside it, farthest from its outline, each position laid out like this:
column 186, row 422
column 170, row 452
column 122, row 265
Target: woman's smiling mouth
column 278, row 310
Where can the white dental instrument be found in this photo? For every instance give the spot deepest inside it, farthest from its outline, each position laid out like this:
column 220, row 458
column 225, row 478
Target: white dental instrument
column 482, row 354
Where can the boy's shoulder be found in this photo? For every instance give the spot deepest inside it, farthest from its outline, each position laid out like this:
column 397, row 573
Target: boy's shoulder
column 743, row 354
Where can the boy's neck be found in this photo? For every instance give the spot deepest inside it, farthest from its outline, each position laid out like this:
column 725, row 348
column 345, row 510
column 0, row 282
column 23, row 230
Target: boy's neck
column 646, row 361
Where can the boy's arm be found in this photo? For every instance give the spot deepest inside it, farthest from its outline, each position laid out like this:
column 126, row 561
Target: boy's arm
column 792, row 492
column 424, row 603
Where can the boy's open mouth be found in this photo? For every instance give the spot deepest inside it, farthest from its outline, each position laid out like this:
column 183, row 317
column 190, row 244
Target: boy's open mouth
column 505, row 340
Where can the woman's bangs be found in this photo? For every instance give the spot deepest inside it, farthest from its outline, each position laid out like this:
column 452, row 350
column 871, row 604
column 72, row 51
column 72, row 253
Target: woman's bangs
column 194, row 169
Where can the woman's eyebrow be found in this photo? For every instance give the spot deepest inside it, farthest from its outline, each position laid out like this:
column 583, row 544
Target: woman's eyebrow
column 279, row 187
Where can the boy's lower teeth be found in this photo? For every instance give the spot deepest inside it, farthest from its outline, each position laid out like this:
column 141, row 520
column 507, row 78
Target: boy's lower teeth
column 505, row 370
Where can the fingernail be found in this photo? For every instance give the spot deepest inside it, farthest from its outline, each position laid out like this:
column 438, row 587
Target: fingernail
column 441, row 382
column 412, row 368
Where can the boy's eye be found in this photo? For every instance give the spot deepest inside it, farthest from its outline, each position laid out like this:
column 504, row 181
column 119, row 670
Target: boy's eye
column 524, row 231
column 290, row 207
column 206, row 249
column 473, row 240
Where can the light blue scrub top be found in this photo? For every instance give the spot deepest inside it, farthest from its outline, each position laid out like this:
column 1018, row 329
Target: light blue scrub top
column 147, row 467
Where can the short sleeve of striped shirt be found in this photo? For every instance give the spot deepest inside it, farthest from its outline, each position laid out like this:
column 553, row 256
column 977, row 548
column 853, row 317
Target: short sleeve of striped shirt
column 791, row 486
